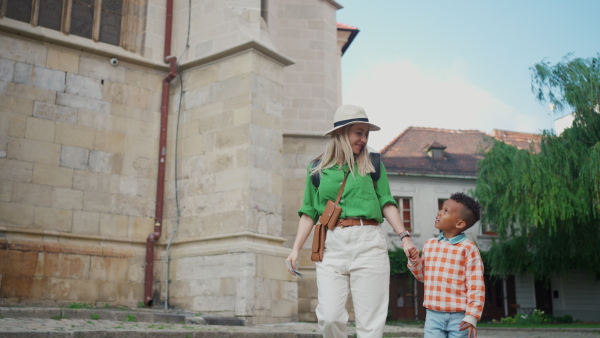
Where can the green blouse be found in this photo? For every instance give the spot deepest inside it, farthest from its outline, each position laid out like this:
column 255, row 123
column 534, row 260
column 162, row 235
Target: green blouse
column 359, row 199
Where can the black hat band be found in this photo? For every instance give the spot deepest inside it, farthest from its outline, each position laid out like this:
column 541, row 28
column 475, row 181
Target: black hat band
column 343, row 122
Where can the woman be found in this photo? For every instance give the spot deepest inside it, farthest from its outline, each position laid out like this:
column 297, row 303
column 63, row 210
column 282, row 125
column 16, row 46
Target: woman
column 355, row 257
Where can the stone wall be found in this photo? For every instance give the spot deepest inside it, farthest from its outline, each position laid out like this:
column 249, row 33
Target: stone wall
column 78, row 148
column 79, row 152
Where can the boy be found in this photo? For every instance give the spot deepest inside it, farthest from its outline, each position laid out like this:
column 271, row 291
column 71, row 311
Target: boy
column 452, row 271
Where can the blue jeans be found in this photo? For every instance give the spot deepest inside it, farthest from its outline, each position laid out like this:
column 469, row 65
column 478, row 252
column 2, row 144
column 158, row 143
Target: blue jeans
column 444, row 325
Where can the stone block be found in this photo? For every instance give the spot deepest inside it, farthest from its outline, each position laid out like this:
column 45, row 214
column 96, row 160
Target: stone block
column 86, row 222
column 30, row 92
column 141, row 146
column 231, row 137
column 18, row 215
column 197, row 97
column 7, row 70
column 40, row 129
column 23, row 73
column 271, row 267
column 15, row 171
column 63, row 198
column 100, row 68
column 144, row 79
column 74, row 157
column 140, row 227
column 6, row 190
column 76, row 101
column 96, row 201
column 130, row 205
column 72, row 289
column 34, row 151
column 90, row 181
column 49, row 79
column 22, row 50
column 128, row 185
column 84, row 86
column 52, row 175
column 18, row 263
column 114, row 226
column 112, row 142
column 55, row 112
column 190, row 146
column 53, row 219
column 109, row 269
column 62, row 60
column 22, row 287
column 33, row 194
column 15, row 104
column 101, row 161
column 75, row 135
column 13, row 125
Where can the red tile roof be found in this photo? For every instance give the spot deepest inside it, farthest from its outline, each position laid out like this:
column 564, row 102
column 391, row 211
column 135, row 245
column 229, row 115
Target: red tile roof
column 345, row 26
column 407, row 153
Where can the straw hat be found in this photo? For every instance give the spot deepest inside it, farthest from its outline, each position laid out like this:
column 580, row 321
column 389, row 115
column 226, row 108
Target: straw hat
column 349, row 114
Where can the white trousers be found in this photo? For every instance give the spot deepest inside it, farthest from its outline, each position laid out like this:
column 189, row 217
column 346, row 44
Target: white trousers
column 356, row 260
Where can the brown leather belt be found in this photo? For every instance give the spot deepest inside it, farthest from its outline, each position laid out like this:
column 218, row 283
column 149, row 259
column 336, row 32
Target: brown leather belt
column 348, row 222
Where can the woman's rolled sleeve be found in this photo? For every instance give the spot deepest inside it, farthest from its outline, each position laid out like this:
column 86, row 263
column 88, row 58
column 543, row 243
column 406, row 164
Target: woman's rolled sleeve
column 309, row 198
column 382, row 189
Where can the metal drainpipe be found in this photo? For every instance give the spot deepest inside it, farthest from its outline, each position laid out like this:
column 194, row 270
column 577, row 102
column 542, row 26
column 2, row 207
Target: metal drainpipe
column 162, row 154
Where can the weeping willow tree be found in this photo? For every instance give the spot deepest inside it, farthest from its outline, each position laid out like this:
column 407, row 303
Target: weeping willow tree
column 546, row 205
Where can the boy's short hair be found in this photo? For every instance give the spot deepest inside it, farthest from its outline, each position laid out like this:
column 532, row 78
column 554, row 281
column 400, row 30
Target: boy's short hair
column 471, row 212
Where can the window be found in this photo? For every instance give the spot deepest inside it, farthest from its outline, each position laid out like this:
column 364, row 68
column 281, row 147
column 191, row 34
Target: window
column 406, row 211
column 441, row 202
column 99, row 20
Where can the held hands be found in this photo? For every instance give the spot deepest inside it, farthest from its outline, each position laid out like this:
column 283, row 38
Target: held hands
column 468, row 326
column 411, row 252
column 413, row 255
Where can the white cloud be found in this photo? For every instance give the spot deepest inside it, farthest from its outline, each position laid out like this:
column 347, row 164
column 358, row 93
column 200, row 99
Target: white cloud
column 399, row 95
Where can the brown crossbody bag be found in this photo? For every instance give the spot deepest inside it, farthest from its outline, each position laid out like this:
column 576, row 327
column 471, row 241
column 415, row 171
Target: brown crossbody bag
column 327, row 221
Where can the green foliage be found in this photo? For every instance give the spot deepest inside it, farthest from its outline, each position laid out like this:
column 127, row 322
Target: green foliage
column 546, row 205
column 131, row 318
column 83, row 305
column 537, row 317
column 94, row 316
column 398, row 261
column 141, row 305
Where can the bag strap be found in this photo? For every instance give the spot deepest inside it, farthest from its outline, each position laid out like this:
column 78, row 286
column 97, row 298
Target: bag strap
column 337, row 200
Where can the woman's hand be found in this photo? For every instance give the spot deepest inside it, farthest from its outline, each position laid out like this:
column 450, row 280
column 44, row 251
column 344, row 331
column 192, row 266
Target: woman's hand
column 411, row 252
column 293, row 258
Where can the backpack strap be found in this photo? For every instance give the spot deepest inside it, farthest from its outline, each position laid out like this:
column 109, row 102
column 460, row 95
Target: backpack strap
column 375, row 160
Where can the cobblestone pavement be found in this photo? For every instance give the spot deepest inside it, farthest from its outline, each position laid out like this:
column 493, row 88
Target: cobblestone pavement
column 54, row 323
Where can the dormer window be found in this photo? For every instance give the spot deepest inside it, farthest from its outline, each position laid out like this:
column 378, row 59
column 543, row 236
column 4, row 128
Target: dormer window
column 435, row 150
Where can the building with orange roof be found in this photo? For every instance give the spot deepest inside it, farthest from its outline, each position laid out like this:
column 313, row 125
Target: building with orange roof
column 425, row 166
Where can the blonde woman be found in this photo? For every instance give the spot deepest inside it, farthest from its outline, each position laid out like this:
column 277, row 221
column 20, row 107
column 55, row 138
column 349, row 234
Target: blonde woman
column 356, row 255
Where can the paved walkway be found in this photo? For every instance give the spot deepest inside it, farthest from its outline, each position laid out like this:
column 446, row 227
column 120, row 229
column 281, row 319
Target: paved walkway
column 126, row 323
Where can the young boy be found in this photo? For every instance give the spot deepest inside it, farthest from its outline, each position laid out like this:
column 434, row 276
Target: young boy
column 452, row 271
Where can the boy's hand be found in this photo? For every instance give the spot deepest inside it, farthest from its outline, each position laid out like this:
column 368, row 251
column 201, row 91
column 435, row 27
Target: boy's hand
column 468, row 326
column 413, row 254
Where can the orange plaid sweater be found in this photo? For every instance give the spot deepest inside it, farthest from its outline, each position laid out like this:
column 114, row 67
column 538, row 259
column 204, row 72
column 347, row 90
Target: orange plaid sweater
column 453, row 277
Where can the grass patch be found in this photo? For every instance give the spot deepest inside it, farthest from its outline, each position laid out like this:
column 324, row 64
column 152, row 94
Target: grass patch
column 130, row 318
column 59, row 317
column 83, row 305
column 94, row 316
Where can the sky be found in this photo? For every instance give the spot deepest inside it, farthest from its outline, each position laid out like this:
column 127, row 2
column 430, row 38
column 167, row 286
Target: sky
column 459, row 64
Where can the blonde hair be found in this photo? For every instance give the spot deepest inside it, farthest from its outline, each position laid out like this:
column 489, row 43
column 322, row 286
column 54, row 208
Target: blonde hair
column 338, row 151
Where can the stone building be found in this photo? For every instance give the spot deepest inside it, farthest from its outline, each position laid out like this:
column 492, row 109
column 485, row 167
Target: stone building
column 141, row 139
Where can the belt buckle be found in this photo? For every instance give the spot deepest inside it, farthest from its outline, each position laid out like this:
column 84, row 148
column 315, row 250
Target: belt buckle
column 341, row 225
